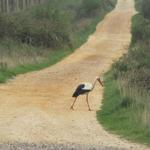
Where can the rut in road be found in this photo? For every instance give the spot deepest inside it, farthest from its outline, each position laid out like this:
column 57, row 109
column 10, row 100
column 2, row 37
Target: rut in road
column 34, row 107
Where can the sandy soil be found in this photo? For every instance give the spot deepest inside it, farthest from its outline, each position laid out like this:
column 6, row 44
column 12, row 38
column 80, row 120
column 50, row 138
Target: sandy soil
column 34, row 107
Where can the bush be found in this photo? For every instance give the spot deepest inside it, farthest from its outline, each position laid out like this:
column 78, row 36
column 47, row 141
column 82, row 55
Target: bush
column 92, row 7
column 89, row 7
column 43, row 27
column 49, row 25
column 140, row 29
column 3, row 66
column 146, row 8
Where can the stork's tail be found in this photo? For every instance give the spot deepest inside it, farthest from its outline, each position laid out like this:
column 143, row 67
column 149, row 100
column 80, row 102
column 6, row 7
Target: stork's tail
column 75, row 94
column 78, row 90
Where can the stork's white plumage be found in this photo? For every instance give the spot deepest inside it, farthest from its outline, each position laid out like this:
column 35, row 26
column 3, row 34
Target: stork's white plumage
column 85, row 88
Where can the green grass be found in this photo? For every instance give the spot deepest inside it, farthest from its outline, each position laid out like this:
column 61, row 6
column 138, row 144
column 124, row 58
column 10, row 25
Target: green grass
column 53, row 58
column 119, row 118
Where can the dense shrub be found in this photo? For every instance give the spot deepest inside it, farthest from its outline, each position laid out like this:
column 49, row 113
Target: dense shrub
column 92, row 7
column 89, row 8
column 140, row 29
column 50, row 29
column 146, row 8
column 134, row 67
column 50, row 24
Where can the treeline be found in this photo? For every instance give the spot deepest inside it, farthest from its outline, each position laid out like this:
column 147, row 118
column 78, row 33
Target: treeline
column 9, row 6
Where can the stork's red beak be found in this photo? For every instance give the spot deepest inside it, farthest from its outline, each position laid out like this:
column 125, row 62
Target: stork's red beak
column 99, row 80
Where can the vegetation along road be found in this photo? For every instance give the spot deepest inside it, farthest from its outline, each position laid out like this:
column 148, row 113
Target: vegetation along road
column 34, row 107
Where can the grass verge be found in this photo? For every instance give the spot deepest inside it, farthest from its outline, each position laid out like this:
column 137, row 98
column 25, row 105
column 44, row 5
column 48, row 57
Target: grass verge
column 119, row 118
column 53, row 58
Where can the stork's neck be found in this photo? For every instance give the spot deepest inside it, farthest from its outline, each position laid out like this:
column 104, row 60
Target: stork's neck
column 94, row 83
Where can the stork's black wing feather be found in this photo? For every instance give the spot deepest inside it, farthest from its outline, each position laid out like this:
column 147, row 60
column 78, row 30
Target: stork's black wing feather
column 78, row 90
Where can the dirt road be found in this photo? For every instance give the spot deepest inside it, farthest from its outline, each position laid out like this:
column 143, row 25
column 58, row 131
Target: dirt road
column 34, row 108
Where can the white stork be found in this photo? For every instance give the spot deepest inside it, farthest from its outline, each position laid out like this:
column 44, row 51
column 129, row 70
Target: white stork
column 85, row 88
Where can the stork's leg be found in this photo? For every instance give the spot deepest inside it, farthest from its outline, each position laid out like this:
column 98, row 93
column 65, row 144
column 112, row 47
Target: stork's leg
column 73, row 104
column 87, row 100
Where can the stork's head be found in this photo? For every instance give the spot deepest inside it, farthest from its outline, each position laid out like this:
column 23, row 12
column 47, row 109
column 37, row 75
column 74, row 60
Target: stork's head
column 99, row 80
